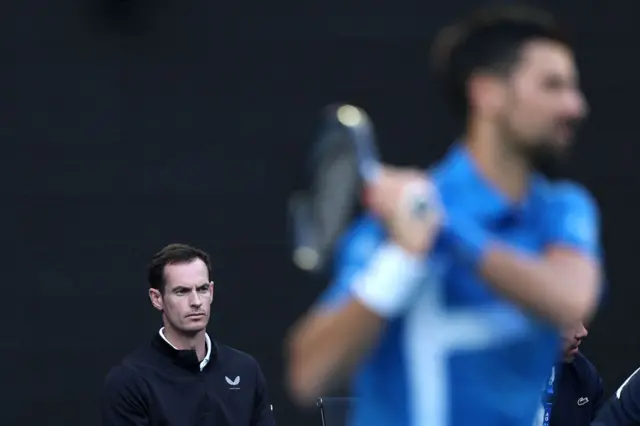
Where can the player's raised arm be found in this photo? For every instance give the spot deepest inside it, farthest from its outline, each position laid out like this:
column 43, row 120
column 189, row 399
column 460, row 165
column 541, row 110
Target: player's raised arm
column 376, row 280
column 563, row 285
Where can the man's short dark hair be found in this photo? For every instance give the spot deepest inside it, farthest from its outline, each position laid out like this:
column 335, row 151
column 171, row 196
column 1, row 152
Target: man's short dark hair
column 169, row 255
column 490, row 40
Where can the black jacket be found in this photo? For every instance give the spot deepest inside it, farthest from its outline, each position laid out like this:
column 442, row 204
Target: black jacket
column 158, row 385
column 578, row 393
column 623, row 408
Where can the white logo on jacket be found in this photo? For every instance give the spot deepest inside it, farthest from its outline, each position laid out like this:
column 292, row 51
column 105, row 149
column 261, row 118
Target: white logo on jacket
column 235, row 382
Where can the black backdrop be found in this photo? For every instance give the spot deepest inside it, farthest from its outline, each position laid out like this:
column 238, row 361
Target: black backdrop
column 129, row 124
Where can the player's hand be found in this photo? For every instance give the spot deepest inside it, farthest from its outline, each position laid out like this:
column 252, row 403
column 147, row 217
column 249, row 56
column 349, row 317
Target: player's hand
column 413, row 226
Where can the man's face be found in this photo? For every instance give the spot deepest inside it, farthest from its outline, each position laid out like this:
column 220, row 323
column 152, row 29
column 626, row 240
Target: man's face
column 186, row 300
column 571, row 339
column 543, row 102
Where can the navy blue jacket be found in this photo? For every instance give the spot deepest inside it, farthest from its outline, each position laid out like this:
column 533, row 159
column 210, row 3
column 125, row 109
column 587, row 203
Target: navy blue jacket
column 158, row 385
column 623, row 408
column 578, row 393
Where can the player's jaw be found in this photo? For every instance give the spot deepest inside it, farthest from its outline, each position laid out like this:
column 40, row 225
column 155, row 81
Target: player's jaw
column 565, row 132
column 548, row 158
column 548, row 150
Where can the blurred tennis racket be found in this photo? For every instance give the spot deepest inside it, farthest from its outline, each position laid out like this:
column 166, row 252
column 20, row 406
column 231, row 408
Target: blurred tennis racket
column 344, row 159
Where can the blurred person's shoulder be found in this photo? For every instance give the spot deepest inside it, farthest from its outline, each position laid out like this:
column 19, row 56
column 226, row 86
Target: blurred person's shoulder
column 563, row 191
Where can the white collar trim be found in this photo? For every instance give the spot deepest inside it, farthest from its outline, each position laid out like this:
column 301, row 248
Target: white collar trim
column 207, row 356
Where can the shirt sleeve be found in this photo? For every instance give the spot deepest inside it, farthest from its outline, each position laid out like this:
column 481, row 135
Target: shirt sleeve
column 354, row 252
column 262, row 408
column 629, row 396
column 623, row 408
column 574, row 220
column 122, row 401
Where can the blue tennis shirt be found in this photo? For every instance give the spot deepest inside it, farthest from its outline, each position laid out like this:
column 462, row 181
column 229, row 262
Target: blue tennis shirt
column 462, row 355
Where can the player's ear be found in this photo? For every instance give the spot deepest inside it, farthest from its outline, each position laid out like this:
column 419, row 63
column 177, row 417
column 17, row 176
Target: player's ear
column 487, row 93
column 211, row 285
column 156, row 299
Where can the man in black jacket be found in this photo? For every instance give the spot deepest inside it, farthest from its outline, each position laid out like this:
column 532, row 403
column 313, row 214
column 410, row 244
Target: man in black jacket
column 182, row 377
column 574, row 393
column 623, row 408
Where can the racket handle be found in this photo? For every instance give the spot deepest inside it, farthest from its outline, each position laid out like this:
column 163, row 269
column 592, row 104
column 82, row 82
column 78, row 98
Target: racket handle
column 370, row 170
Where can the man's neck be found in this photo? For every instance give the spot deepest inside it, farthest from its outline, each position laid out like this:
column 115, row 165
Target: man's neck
column 503, row 168
column 181, row 341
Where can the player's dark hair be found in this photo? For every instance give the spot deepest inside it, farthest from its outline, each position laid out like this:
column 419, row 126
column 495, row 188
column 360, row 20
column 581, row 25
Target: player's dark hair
column 170, row 255
column 489, row 40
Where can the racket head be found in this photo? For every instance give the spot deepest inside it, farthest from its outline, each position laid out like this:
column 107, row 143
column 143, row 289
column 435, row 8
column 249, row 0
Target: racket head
column 321, row 212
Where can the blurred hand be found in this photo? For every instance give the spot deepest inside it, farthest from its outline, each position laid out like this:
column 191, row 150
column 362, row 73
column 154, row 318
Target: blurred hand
column 408, row 203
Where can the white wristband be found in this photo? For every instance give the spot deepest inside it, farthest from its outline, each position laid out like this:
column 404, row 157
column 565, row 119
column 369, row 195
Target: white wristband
column 388, row 284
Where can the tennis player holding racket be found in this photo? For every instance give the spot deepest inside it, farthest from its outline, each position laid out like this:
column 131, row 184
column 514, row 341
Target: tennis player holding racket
column 451, row 317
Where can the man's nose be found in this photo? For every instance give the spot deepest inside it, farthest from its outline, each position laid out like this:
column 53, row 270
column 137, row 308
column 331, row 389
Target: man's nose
column 577, row 106
column 195, row 299
column 582, row 332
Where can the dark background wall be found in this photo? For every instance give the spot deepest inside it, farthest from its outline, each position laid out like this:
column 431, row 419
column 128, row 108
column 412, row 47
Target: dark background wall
column 126, row 125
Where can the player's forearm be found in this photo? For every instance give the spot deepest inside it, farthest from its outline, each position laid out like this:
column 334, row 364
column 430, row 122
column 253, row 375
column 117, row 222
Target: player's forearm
column 325, row 347
column 559, row 292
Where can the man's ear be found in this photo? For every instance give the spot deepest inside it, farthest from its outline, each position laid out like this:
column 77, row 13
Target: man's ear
column 156, row 299
column 211, row 291
column 487, row 93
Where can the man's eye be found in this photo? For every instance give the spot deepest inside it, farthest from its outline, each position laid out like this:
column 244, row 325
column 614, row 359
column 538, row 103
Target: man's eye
column 558, row 83
column 180, row 292
column 554, row 84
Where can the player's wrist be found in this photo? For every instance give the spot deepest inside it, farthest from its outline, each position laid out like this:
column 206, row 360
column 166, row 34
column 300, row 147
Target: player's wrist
column 388, row 284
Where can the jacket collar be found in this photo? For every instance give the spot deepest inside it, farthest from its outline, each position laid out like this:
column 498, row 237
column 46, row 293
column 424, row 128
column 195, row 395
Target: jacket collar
column 186, row 358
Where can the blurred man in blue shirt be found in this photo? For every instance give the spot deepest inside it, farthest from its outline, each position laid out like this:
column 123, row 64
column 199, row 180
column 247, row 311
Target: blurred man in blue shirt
column 451, row 319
